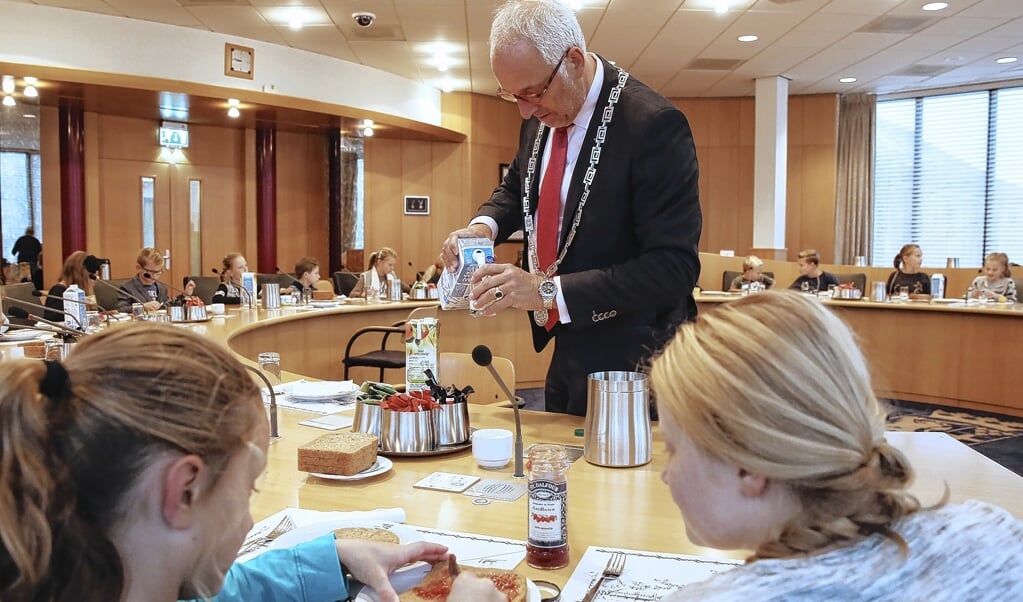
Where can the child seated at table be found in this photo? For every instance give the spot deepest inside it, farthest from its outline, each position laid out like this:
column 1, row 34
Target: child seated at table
column 907, row 272
column 776, row 444
column 126, row 473
column 996, row 284
column 811, row 277
column 752, row 271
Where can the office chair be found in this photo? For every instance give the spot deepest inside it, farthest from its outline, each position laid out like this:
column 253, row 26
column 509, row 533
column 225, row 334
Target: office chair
column 344, row 282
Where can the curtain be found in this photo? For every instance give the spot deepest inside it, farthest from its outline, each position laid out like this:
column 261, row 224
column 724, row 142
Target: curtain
column 855, row 186
column 351, row 149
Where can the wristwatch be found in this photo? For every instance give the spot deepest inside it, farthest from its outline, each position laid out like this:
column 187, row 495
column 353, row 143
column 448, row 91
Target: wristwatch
column 548, row 291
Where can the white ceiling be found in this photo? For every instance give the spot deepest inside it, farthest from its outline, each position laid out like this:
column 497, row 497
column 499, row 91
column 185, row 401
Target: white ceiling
column 811, row 42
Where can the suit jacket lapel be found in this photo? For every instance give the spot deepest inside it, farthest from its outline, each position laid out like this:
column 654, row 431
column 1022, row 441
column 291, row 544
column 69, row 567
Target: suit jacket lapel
column 575, row 187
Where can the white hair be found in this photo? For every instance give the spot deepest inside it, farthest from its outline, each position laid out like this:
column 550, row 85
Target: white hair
column 548, row 25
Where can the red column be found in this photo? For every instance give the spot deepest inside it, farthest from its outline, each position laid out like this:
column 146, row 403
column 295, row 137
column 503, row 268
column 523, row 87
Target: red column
column 266, row 198
column 72, row 175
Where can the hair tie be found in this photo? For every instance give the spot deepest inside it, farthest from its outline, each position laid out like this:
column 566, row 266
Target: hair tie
column 56, row 384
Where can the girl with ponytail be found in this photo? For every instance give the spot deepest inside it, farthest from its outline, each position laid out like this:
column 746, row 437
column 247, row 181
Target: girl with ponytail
column 776, row 444
column 126, row 472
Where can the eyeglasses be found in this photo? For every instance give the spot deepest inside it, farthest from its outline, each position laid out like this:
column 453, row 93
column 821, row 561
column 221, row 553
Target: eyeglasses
column 532, row 97
column 154, row 272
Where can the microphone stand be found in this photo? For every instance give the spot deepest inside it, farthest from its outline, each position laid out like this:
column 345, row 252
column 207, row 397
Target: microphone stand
column 484, row 357
column 274, row 433
column 37, row 307
column 120, row 291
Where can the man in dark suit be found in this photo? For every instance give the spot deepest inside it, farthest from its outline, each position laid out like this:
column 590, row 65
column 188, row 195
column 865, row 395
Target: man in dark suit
column 616, row 276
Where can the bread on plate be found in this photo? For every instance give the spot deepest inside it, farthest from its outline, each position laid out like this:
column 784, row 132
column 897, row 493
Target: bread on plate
column 346, row 453
column 437, row 584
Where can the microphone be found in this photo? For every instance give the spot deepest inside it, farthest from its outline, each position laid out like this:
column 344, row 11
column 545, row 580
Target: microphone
column 120, row 291
column 46, row 296
column 37, row 307
column 17, row 312
column 482, row 355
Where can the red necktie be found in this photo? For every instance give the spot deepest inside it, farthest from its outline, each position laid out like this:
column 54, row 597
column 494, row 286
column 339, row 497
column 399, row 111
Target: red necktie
column 548, row 212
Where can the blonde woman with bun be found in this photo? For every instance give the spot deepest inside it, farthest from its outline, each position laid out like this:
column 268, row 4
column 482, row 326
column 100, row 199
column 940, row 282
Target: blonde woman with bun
column 776, row 444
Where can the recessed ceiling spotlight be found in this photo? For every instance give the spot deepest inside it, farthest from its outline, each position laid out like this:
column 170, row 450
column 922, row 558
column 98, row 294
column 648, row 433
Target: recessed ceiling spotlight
column 30, row 92
column 9, row 101
column 233, row 113
column 446, row 86
column 367, row 123
column 846, row 80
column 367, row 132
column 295, row 19
column 233, row 102
column 721, row 7
column 748, row 38
column 8, row 84
column 1005, row 60
column 935, row 6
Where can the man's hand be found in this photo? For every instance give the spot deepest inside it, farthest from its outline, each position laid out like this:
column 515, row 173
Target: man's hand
column 449, row 250
column 501, row 285
column 189, row 288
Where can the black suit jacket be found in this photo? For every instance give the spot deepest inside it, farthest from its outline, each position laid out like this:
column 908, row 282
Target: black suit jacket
column 635, row 259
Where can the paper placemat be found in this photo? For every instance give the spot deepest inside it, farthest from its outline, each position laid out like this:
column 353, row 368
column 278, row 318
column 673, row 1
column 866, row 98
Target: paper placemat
column 331, row 422
column 301, row 518
column 647, row 575
column 447, row 481
column 481, row 551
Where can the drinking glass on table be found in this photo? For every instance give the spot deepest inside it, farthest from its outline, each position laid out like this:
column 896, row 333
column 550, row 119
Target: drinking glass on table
column 270, row 365
column 805, row 287
column 903, row 293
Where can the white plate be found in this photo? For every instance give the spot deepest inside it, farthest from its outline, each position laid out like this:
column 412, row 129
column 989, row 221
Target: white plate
column 407, row 578
column 946, row 300
column 322, row 390
column 21, row 334
column 405, row 533
column 381, row 466
column 324, row 304
column 713, row 293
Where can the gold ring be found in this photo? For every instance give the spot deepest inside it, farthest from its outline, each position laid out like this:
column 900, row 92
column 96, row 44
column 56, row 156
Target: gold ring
column 498, row 294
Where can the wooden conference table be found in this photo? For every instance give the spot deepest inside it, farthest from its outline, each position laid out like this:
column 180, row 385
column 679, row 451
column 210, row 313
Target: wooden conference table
column 624, row 507
column 949, row 354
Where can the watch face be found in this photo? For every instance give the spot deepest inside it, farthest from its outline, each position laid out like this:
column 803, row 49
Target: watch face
column 548, row 289
column 241, row 61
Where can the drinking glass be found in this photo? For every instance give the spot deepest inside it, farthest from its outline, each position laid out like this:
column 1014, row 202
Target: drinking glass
column 270, row 365
column 903, row 293
column 831, row 291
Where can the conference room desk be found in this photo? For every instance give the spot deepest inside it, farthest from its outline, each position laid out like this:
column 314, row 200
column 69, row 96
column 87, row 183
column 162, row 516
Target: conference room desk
column 312, row 341
column 946, row 354
column 622, row 507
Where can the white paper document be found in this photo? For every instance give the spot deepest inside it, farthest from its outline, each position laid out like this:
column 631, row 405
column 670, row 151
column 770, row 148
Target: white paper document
column 647, row 576
column 482, row 551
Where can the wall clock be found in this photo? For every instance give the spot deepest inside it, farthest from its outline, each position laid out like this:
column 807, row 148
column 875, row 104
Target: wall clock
column 239, row 61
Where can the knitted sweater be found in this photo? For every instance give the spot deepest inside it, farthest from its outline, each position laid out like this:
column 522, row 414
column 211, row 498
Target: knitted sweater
column 969, row 551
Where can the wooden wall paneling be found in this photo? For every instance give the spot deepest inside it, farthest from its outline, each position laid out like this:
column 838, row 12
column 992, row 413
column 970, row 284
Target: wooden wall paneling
column 446, row 204
column 721, row 205
column 248, row 212
column 383, row 181
column 301, row 199
column 456, row 111
column 408, row 236
column 817, row 180
column 793, row 204
column 121, row 209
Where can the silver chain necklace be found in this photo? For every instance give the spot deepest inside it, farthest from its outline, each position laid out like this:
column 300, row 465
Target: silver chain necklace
column 591, row 173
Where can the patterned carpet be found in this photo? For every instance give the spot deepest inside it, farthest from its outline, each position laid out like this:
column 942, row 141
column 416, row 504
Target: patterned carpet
column 997, row 437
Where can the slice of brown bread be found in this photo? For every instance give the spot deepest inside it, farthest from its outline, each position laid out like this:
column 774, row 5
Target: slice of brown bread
column 345, row 453
column 437, row 584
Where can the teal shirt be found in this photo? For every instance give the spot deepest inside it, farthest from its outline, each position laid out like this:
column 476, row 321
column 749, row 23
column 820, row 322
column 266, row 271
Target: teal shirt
column 308, row 572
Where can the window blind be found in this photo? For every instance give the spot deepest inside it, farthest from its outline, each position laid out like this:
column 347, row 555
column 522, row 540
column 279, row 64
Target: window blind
column 948, row 175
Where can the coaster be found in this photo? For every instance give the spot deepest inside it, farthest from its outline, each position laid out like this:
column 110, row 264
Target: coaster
column 447, row 481
column 505, row 491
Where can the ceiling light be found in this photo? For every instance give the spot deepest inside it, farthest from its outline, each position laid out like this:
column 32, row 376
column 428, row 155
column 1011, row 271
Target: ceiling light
column 30, row 81
column 233, row 102
column 30, row 91
column 721, row 7
column 9, row 101
column 233, row 113
column 8, row 84
column 573, row 4
column 846, row 80
column 367, row 132
column 446, row 86
column 748, row 38
column 367, row 123
column 935, row 6
column 295, row 19
column 1005, row 60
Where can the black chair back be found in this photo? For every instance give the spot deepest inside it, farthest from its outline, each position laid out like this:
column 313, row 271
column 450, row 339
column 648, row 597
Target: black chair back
column 344, row 282
column 205, row 286
column 106, row 296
